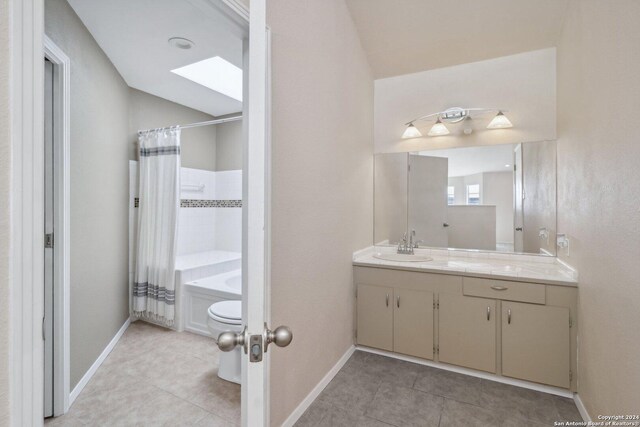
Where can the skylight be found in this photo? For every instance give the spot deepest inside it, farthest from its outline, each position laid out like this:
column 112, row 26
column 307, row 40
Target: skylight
column 216, row 74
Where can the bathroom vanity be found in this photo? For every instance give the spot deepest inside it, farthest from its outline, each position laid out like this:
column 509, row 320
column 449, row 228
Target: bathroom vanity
column 506, row 314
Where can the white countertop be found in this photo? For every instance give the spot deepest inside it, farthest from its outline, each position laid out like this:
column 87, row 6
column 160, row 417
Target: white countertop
column 505, row 266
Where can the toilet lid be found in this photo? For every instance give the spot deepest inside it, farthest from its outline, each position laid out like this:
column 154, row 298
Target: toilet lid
column 231, row 310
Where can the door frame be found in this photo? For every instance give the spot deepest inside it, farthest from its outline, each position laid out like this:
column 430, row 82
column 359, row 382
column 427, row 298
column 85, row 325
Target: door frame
column 27, row 51
column 62, row 220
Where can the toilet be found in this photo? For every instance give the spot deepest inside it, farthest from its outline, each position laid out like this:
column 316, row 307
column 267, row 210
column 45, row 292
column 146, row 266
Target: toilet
column 227, row 316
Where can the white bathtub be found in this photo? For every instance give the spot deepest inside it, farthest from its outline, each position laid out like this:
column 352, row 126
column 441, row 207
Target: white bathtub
column 197, row 266
column 200, row 294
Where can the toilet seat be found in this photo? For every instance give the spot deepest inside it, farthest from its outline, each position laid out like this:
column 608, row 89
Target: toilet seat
column 227, row 312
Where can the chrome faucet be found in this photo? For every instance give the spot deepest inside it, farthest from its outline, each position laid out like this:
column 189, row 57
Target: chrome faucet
column 406, row 247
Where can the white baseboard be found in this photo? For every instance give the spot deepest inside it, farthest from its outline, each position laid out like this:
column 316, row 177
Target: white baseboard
column 94, row 368
column 304, row 405
column 581, row 408
column 485, row 375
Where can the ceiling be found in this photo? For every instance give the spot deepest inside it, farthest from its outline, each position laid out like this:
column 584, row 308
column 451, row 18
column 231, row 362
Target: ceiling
column 134, row 35
column 472, row 160
column 407, row 36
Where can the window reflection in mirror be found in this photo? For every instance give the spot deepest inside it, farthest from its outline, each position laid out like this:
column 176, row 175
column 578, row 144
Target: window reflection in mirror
column 494, row 198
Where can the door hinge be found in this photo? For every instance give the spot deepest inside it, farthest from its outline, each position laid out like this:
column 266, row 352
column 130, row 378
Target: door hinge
column 356, row 292
column 570, row 323
column 437, row 349
column 570, row 376
column 48, row 240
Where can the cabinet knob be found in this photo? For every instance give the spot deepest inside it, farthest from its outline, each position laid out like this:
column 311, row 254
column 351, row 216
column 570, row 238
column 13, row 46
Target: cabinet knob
column 387, row 300
column 509, row 316
column 398, row 301
column 488, row 313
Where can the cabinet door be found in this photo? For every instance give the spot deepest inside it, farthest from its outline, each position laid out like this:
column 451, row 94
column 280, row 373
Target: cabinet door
column 413, row 323
column 536, row 343
column 375, row 316
column 467, row 332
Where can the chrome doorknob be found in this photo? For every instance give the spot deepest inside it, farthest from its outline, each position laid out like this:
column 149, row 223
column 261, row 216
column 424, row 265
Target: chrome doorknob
column 281, row 336
column 227, row 341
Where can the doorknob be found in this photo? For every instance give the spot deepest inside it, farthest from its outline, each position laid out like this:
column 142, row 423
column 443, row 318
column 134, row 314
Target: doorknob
column 227, row 341
column 280, row 336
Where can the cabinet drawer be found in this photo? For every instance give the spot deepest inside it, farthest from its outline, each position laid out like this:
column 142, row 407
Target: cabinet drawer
column 503, row 289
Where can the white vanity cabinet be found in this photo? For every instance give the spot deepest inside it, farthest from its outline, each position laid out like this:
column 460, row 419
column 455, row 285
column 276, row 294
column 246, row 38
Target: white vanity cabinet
column 517, row 329
column 394, row 319
column 467, row 331
column 536, row 343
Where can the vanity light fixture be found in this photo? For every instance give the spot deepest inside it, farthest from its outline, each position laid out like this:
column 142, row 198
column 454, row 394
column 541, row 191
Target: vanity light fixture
column 438, row 129
column 411, row 132
column 500, row 121
column 455, row 115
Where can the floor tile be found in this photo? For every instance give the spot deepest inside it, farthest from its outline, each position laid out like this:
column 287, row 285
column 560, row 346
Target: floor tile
column 456, row 414
column 350, row 391
column 385, row 369
column 519, row 402
column 64, row 421
column 453, row 385
column 567, row 409
column 216, row 395
column 401, row 406
column 212, row 420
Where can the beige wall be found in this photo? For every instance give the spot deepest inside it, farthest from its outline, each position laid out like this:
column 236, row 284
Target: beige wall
column 198, row 144
column 5, row 230
column 472, row 227
column 100, row 151
column 322, row 195
column 229, row 146
column 598, row 191
column 524, row 84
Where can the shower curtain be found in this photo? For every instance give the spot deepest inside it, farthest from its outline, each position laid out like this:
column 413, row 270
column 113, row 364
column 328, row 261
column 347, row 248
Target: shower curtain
column 159, row 193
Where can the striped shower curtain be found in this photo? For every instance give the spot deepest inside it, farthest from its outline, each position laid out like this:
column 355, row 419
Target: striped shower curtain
column 159, row 192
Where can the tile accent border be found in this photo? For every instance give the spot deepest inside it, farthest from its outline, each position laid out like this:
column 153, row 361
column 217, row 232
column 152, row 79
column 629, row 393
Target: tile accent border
column 199, row 203
column 195, row 203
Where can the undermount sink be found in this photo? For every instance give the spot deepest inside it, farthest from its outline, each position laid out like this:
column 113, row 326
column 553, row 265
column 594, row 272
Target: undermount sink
column 403, row 257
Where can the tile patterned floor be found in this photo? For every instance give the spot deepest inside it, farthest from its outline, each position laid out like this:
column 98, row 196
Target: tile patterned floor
column 375, row 391
column 175, row 385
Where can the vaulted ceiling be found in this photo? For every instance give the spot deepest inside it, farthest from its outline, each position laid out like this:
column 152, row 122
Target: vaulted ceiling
column 407, row 36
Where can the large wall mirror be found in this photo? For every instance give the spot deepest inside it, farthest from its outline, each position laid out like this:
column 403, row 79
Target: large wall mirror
column 492, row 198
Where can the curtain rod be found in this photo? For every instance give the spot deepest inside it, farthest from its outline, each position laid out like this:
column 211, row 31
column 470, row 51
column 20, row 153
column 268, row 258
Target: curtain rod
column 195, row 125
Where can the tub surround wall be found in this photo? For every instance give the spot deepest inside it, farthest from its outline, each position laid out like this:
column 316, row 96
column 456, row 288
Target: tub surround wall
column 322, row 192
column 598, row 191
column 217, row 223
column 210, row 220
column 99, row 172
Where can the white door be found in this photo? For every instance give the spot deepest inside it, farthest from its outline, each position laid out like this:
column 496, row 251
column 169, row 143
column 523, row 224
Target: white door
column 428, row 181
column 256, row 338
column 518, row 199
column 47, row 327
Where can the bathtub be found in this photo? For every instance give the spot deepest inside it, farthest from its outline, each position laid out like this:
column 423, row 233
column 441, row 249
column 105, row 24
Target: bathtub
column 195, row 267
column 200, row 294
